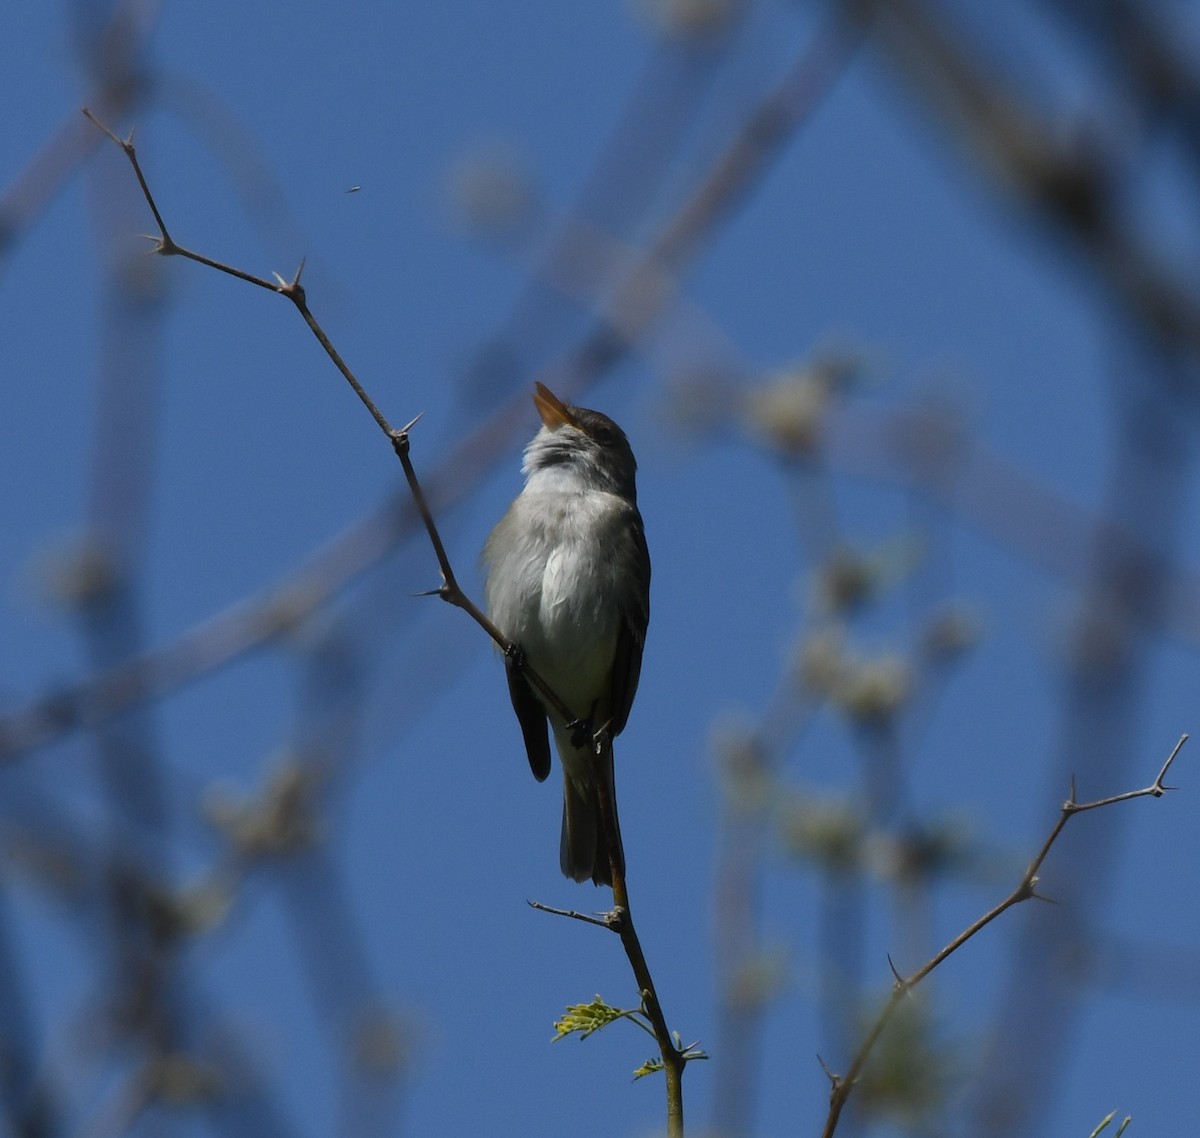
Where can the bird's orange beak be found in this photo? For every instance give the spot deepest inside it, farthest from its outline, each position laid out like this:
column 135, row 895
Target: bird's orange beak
column 554, row 412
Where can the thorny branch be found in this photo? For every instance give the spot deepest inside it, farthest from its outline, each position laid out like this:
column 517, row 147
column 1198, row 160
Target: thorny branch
column 620, row 919
column 293, row 290
column 843, row 1085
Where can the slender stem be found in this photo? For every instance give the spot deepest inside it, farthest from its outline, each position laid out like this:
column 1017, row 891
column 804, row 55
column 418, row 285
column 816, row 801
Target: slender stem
column 843, row 1085
column 621, row 922
column 293, row 290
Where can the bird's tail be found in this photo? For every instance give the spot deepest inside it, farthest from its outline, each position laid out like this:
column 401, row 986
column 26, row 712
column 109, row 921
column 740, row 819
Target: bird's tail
column 584, row 850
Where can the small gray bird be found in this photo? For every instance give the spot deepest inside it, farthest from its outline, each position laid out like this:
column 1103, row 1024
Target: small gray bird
column 568, row 582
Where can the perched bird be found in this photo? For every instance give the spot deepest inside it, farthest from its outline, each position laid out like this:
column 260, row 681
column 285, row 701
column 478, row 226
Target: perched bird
column 568, row 582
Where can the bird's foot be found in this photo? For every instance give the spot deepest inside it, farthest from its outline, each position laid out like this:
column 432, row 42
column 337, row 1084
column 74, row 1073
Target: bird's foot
column 515, row 655
column 601, row 736
column 581, row 732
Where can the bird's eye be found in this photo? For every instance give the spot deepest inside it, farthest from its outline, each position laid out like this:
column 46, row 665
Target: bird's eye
column 604, row 435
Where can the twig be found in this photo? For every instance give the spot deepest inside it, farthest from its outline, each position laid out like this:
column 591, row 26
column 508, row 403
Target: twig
column 450, row 591
column 620, row 921
column 603, row 920
column 843, row 1085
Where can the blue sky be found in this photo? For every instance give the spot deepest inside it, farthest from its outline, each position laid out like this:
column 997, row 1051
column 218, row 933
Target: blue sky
column 873, row 232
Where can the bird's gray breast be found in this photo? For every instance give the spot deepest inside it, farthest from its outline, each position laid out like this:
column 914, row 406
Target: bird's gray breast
column 555, row 586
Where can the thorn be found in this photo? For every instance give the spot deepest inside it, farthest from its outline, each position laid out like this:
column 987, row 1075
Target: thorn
column 834, row 1080
column 440, row 591
column 900, row 981
column 410, row 424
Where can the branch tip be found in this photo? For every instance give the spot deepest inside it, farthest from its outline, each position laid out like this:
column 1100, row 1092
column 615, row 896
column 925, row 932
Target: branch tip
column 572, row 913
column 1158, row 782
column 111, row 134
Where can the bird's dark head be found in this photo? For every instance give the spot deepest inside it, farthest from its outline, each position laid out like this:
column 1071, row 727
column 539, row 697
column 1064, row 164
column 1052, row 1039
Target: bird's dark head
column 580, row 448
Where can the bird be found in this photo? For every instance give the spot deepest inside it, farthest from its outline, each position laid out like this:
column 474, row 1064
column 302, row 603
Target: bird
column 568, row 585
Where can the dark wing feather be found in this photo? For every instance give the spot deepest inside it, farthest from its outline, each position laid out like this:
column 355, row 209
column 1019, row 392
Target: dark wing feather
column 631, row 636
column 532, row 717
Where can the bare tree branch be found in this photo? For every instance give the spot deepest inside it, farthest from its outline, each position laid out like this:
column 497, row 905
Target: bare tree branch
column 843, row 1085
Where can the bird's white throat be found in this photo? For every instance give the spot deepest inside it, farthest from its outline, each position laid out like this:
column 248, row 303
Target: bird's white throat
column 559, row 478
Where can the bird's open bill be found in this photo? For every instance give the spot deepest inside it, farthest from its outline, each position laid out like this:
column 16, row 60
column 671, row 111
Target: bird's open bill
column 554, row 411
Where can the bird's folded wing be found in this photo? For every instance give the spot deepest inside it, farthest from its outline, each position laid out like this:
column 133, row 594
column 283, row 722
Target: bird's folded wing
column 631, row 635
column 532, row 717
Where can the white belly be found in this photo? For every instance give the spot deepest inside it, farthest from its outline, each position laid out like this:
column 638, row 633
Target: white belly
column 551, row 589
